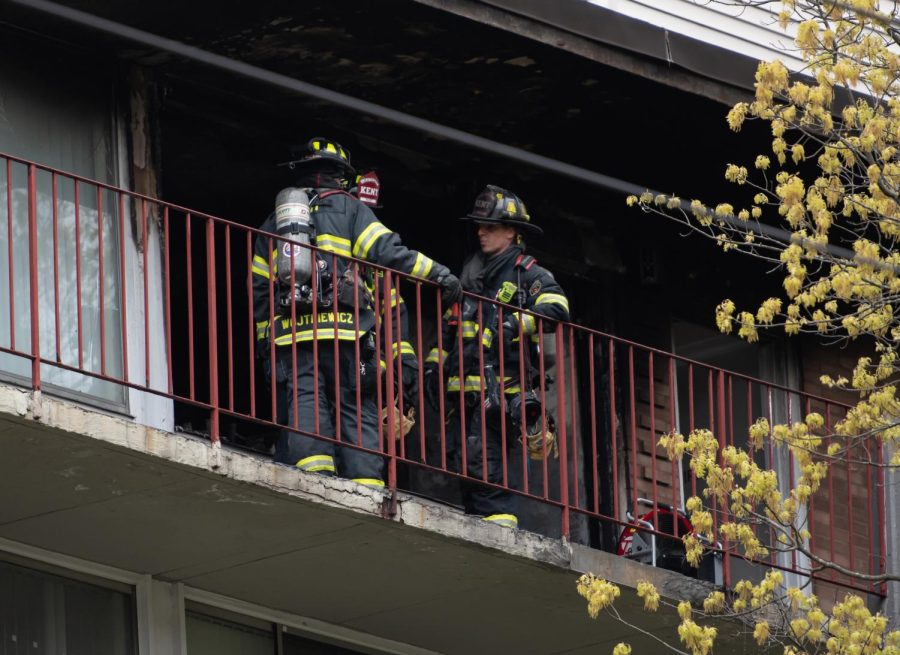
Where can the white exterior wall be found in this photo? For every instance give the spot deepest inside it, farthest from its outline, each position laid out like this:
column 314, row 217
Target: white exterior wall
column 147, row 408
column 752, row 32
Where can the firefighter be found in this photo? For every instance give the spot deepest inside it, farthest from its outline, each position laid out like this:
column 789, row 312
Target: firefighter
column 500, row 271
column 337, row 223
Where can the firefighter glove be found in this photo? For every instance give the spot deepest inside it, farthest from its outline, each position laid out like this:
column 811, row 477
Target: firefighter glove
column 451, row 289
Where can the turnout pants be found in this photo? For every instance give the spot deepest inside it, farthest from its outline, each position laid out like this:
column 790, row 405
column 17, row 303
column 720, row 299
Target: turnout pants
column 478, row 498
column 335, row 420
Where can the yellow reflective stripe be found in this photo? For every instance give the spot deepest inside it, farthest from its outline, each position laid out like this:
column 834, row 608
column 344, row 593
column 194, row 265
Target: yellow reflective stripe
column 367, row 239
column 552, row 299
column 473, row 383
column 435, row 356
column 470, row 329
column 422, row 267
column 506, row 520
column 260, row 266
column 315, row 463
column 370, row 482
column 262, row 330
column 383, row 364
column 529, row 325
column 487, row 338
column 405, row 348
column 321, row 333
column 331, row 243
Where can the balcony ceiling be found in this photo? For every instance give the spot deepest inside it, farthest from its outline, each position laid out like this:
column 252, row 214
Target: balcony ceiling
column 90, row 499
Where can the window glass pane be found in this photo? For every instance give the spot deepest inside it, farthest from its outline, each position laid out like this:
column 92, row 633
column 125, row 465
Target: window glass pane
column 207, row 635
column 67, row 125
column 44, row 614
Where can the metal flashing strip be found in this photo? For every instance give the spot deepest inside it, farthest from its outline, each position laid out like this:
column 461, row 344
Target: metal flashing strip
column 68, row 563
column 313, row 628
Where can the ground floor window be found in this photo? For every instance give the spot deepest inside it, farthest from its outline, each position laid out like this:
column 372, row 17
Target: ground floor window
column 45, row 614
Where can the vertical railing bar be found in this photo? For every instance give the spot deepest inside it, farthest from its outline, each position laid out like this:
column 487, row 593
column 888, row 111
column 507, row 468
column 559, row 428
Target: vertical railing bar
column 168, row 297
column 544, row 455
column 378, row 299
column 397, row 358
column 229, row 332
column 213, row 329
column 33, row 279
column 691, row 421
column 124, row 287
column 292, row 250
column 502, row 376
column 730, row 424
column 442, row 418
column 389, row 383
column 78, row 305
column 542, row 364
column 100, row 280
column 676, row 497
column 479, row 340
column 463, row 427
column 145, row 234
column 356, row 353
column 790, row 417
column 10, row 234
column 870, row 518
column 634, row 448
column 563, row 451
column 595, row 463
column 190, row 295
column 828, row 428
column 651, row 447
column 315, row 335
column 251, row 324
column 770, row 449
column 575, row 475
column 812, row 507
column 420, row 365
column 335, row 315
column 614, row 429
column 882, row 542
column 272, row 258
column 723, row 429
column 55, row 200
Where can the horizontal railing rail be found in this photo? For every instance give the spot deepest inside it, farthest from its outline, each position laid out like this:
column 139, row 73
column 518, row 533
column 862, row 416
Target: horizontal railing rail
column 106, row 289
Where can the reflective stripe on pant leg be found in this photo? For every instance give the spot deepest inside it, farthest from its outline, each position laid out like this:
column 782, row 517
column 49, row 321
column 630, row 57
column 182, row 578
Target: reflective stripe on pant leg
column 369, row 482
column 506, row 520
column 316, row 464
column 292, row 447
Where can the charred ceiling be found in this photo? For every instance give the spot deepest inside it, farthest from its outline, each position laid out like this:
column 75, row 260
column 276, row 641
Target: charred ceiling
column 222, row 135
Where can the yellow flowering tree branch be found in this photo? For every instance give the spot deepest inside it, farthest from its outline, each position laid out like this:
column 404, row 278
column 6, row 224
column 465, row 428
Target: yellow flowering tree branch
column 824, row 209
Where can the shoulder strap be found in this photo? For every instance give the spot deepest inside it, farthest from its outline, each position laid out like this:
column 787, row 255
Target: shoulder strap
column 525, row 262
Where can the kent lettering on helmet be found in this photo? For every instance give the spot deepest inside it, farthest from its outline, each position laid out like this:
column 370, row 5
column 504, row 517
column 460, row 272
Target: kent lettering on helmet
column 341, row 226
column 502, row 271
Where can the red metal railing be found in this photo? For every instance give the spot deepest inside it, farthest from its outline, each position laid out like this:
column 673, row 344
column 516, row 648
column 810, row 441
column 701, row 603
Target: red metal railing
column 610, row 398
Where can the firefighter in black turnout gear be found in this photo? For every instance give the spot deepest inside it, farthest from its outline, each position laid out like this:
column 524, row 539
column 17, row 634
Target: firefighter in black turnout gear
column 500, row 271
column 338, row 223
